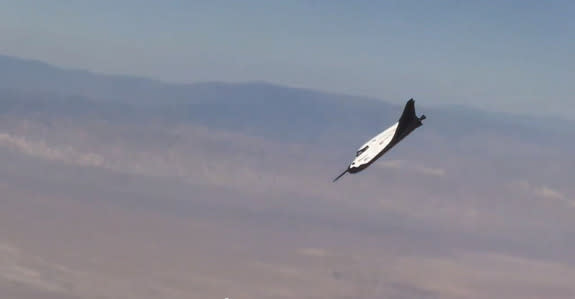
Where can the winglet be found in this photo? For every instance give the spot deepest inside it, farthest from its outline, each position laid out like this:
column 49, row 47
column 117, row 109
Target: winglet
column 407, row 116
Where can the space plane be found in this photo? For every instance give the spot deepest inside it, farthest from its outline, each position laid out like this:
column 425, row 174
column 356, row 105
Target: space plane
column 373, row 149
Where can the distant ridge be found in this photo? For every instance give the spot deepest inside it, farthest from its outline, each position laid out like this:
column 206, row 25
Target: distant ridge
column 258, row 108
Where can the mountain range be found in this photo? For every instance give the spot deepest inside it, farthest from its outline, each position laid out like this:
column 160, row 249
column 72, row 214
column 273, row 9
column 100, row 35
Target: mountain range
column 259, row 108
column 162, row 190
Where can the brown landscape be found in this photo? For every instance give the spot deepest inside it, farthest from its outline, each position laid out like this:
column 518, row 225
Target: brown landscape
column 114, row 187
column 93, row 210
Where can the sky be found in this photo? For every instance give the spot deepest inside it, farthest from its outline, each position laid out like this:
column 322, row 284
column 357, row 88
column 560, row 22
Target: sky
column 515, row 56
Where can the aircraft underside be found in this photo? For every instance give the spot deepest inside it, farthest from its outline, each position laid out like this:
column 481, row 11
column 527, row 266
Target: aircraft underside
column 376, row 147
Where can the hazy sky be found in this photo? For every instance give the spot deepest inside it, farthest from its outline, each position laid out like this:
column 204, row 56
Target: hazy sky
column 504, row 55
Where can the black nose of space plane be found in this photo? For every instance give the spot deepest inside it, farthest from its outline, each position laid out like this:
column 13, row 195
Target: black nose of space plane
column 353, row 168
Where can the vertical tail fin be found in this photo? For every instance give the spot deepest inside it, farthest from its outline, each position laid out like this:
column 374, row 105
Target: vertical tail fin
column 408, row 116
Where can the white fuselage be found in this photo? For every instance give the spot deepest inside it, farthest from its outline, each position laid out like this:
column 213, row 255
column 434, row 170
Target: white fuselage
column 377, row 146
column 369, row 151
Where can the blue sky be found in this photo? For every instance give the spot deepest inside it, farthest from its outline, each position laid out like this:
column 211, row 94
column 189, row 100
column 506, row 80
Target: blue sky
column 501, row 55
